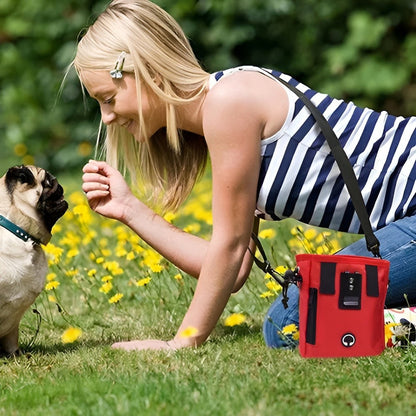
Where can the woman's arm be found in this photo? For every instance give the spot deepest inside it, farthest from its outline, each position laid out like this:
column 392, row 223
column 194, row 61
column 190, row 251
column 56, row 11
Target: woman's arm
column 233, row 127
column 109, row 195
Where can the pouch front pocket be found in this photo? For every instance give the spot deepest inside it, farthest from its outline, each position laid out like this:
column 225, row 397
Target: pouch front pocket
column 311, row 319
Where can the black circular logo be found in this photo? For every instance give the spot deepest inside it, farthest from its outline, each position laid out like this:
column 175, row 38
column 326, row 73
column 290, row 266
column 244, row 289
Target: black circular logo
column 348, row 340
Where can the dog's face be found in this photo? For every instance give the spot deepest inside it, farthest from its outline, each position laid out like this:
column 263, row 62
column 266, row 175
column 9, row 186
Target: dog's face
column 34, row 190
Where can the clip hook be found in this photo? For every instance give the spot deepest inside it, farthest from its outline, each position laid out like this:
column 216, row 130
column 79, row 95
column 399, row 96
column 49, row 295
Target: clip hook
column 116, row 73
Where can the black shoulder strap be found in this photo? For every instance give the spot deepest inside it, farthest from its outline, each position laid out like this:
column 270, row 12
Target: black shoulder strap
column 345, row 167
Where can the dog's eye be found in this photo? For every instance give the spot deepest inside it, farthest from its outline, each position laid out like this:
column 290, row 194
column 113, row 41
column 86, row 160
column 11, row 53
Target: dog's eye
column 19, row 174
column 48, row 181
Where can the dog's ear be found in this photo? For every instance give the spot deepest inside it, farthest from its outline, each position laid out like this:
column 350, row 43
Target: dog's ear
column 18, row 174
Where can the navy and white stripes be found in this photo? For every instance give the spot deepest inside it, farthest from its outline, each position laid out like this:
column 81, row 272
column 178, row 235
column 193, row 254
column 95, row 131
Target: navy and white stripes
column 300, row 179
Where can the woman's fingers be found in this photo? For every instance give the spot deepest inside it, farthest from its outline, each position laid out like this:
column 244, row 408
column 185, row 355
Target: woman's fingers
column 95, row 186
column 95, row 177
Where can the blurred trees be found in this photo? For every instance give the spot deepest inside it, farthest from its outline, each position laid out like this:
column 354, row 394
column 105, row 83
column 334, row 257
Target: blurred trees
column 360, row 52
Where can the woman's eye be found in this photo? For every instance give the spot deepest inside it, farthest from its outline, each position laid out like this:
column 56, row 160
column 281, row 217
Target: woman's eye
column 109, row 101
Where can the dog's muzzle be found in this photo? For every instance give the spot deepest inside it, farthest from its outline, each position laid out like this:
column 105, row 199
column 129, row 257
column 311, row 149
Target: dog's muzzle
column 52, row 204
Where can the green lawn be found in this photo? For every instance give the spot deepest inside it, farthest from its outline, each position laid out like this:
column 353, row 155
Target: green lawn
column 108, row 285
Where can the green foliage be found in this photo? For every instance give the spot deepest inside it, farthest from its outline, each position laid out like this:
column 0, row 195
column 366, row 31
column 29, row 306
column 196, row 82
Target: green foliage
column 361, row 52
column 38, row 40
column 367, row 67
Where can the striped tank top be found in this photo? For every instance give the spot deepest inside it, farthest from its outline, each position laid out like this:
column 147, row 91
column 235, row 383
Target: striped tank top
column 300, row 179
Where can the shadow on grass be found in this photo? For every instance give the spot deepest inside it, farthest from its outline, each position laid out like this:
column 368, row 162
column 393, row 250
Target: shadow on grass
column 57, row 348
column 238, row 331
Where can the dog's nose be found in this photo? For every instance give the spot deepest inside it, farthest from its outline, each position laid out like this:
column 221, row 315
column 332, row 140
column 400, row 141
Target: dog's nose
column 51, row 187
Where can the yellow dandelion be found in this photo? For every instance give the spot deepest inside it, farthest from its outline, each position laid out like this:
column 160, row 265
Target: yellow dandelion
column 72, row 253
column 52, row 285
column 268, row 233
column 106, row 287
column 92, row 272
column 71, row 335
column 294, row 244
column 193, row 228
column 310, row 233
column 52, row 299
column 234, row 319
column 116, row 298
column 121, row 252
column 334, row 246
column 87, row 239
column 81, row 210
column 103, row 242
column 113, row 267
column 281, row 269
column 289, row 329
column 267, row 294
column 106, row 252
column 273, row 286
column 130, row 255
column 169, row 216
column 178, row 276
column 297, row 230
column 106, row 278
column 77, row 198
column 50, row 276
column 156, row 268
column 143, row 282
column 202, row 214
column 189, row 332
column 321, row 250
column 57, row 228
column 53, row 253
column 71, row 273
column 151, row 259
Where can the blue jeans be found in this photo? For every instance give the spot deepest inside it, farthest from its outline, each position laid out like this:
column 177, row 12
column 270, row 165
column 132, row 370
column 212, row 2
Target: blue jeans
column 397, row 244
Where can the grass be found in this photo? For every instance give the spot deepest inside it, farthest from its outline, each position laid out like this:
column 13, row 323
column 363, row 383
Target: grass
column 231, row 375
column 92, row 260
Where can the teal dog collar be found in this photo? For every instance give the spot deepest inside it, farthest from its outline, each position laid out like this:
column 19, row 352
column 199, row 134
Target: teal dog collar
column 17, row 231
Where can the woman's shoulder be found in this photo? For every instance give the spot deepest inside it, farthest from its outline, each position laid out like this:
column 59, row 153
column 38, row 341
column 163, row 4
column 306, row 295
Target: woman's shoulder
column 233, row 75
column 246, row 93
column 241, row 81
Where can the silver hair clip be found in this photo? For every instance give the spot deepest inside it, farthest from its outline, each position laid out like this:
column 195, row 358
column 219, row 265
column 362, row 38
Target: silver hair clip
column 116, row 73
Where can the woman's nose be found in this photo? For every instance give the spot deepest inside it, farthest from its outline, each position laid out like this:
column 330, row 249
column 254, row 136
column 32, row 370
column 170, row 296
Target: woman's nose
column 107, row 116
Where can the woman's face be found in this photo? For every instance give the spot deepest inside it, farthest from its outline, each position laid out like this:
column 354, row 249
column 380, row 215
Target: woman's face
column 118, row 102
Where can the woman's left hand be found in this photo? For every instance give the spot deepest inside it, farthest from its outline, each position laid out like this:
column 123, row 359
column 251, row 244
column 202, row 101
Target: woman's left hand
column 147, row 344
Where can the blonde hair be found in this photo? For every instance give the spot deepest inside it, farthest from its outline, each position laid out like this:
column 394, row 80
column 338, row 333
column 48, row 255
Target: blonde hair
column 171, row 161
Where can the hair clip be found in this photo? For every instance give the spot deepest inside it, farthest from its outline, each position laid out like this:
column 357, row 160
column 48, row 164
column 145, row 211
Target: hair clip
column 116, row 73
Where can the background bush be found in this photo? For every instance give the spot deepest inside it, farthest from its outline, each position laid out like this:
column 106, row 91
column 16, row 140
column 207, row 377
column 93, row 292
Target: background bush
column 364, row 52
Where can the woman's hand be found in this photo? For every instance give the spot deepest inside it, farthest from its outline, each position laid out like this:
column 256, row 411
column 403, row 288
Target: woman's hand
column 107, row 192
column 147, row 344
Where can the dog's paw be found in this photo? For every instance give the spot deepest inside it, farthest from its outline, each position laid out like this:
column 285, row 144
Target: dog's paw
column 16, row 353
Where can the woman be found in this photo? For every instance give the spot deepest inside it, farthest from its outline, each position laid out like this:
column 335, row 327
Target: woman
column 164, row 114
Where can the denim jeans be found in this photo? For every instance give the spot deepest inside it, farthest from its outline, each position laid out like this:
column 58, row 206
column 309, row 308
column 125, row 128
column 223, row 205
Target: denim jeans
column 397, row 244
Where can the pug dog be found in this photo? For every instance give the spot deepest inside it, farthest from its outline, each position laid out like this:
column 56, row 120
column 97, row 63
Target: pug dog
column 31, row 201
